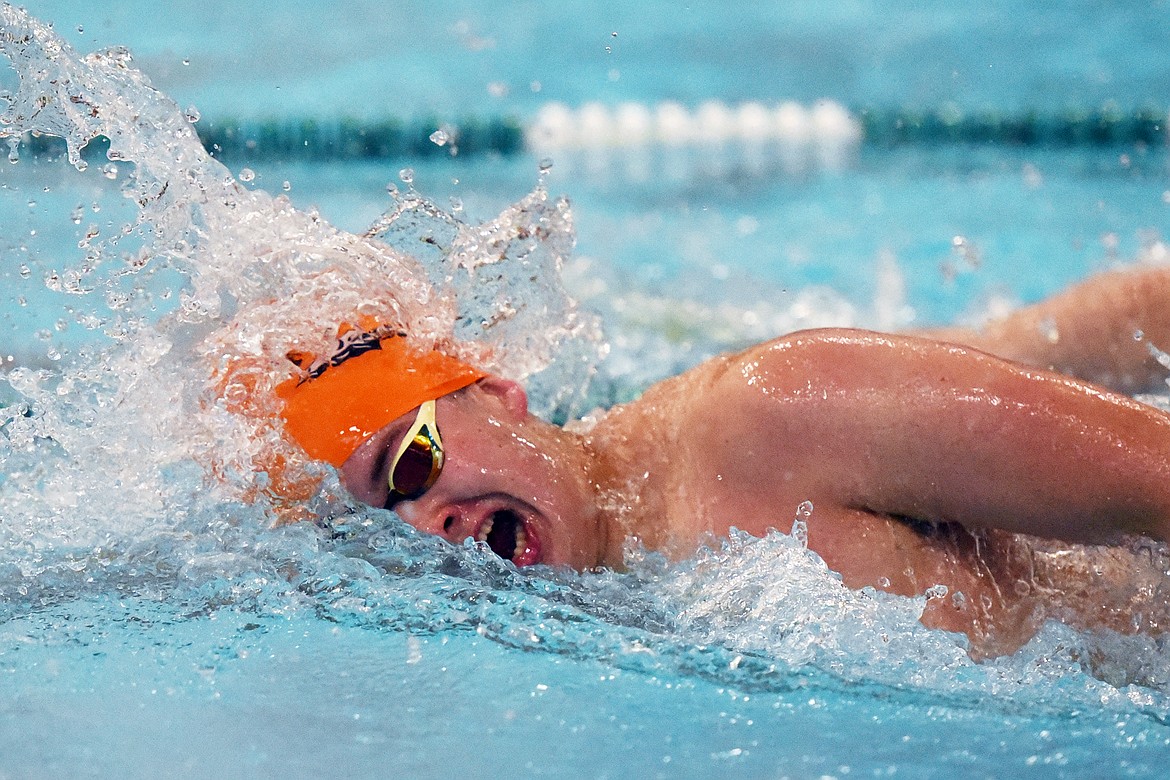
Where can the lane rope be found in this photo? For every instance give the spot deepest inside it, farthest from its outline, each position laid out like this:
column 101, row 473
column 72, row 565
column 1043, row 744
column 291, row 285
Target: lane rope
column 822, row 132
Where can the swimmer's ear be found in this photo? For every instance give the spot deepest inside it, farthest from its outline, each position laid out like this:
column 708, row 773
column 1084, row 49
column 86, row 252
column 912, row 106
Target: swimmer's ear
column 511, row 393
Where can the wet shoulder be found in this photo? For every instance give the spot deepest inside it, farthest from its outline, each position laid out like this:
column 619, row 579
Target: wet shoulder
column 792, row 364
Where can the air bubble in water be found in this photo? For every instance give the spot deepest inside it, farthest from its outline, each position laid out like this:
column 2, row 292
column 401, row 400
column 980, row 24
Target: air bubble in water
column 439, row 138
column 286, row 186
column 192, row 114
column 392, row 189
column 247, row 175
column 456, row 204
column 545, row 165
column 406, row 175
column 77, row 214
column 13, row 150
column 25, row 271
column 110, row 171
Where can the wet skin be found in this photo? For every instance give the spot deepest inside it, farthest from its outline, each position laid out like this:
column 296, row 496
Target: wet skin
column 904, row 446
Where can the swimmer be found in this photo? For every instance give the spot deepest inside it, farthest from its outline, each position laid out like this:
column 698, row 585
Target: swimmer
column 952, row 457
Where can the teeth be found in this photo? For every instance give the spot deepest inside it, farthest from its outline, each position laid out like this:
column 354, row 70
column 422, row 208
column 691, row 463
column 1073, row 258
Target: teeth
column 484, row 530
column 521, row 542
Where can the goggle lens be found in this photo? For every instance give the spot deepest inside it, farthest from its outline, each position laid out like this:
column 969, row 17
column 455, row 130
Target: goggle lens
column 417, row 467
column 419, row 460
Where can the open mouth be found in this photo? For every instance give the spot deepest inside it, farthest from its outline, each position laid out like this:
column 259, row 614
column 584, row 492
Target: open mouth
column 509, row 537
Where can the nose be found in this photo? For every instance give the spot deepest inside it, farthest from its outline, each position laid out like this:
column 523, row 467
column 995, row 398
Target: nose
column 446, row 522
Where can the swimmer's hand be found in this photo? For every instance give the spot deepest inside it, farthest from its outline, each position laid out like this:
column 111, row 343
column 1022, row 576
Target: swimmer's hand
column 927, row 430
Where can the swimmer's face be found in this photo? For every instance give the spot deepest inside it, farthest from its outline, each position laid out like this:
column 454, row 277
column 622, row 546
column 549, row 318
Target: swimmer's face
column 508, row 479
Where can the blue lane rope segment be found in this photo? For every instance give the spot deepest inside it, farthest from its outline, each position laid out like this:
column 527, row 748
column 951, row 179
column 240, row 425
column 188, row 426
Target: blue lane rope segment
column 391, row 138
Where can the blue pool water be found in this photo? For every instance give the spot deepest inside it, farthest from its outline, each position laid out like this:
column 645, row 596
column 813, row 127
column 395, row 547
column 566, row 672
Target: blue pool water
column 152, row 624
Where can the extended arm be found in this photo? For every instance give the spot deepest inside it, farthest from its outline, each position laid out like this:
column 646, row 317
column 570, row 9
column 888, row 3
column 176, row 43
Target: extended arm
column 917, row 428
column 1100, row 330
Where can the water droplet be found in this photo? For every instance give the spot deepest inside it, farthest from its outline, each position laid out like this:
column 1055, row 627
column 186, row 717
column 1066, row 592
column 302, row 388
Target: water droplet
column 406, row 175
column 439, row 137
column 247, row 175
column 1049, row 330
column 800, row 523
column 936, row 592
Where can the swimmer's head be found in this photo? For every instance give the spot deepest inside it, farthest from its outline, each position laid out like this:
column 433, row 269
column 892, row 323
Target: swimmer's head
column 495, row 473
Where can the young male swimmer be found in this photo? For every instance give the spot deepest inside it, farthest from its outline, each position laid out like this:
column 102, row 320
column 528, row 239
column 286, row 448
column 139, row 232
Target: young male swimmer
column 924, row 456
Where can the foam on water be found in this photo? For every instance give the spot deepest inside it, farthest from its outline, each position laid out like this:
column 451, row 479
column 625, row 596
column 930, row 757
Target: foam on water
column 127, row 474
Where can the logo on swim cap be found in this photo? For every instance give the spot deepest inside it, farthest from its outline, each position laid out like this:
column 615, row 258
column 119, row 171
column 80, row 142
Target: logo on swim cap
column 372, row 378
column 351, row 342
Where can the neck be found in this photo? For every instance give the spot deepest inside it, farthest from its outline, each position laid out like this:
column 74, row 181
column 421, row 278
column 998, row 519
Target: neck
column 627, row 478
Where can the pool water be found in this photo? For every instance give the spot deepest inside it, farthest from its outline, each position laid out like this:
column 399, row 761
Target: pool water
column 151, row 623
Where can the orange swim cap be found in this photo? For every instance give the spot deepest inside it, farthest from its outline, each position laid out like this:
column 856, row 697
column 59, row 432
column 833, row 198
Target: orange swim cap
column 373, row 379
